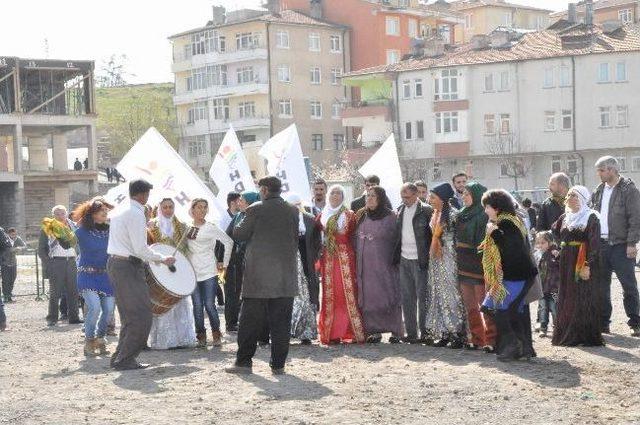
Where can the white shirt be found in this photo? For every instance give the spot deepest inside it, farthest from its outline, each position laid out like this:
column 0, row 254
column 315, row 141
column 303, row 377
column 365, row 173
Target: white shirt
column 202, row 250
column 128, row 234
column 604, row 210
column 409, row 248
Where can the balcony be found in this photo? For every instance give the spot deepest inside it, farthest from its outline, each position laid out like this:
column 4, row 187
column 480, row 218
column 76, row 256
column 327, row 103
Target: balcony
column 259, row 86
column 219, row 126
column 368, row 108
column 182, row 62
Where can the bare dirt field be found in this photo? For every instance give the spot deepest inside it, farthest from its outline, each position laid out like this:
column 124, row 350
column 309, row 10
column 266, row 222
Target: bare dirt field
column 44, row 378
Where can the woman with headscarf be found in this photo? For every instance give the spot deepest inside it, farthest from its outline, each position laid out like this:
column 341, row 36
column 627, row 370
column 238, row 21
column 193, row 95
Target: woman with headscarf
column 305, row 305
column 378, row 281
column 578, row 230
column 174, row 329
column 509, row 270
column 340, row 319
column 445, row 312
column 471, row 225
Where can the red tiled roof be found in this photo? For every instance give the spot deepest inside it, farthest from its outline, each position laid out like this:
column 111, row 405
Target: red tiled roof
column 531, row 46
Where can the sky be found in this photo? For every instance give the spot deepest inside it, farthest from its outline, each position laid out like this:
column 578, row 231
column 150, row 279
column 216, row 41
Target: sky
column 95, row 30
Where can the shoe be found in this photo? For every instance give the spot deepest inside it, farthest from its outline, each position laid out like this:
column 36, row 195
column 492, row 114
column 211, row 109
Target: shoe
column 410, row 340
column 605, row 330
column 132, row 366
column 441, row 342
column 543, row 333
column 394, row 340
column 76, row 322
column 427, row 340
column 374, row 339
column 470, row 346
column 277, row 371
column 202, row 340
column 635, row 331
column 51, row 324
column 216, row 338
column 239, row 370
column 455, row 344
column 305, row 342
column 90, row 347
column 101, row 346
column 232, row 328
column 489, row 349
column 538, row 327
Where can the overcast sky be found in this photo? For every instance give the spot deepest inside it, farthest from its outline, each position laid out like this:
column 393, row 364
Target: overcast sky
column 82, row 29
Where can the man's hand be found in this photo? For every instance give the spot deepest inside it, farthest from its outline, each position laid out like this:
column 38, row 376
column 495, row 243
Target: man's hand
column 632, row 251
column 169, row 261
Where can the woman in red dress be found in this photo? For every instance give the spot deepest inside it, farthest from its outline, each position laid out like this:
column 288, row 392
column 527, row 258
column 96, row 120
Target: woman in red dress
column 340, row 319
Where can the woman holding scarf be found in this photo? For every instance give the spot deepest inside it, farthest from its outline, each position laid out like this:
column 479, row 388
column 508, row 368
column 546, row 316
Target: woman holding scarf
column 378, row 286
column 445, row 312
column 508, row 272
column 340, row 319
column 471, row 225
column 579, row 233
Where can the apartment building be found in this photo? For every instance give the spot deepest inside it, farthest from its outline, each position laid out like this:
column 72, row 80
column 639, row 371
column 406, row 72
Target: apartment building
column 512, row 108
column 260, row 71
column 624, row 11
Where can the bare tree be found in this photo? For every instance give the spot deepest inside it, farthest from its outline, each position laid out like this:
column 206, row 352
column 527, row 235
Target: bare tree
column 113, row 72
column 507, row 149
column 341, row 169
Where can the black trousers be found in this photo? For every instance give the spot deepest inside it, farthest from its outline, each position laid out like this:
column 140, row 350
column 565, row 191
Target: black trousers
column 232, row 290
column 63, row 279
column 9, row 274
column 254, row 314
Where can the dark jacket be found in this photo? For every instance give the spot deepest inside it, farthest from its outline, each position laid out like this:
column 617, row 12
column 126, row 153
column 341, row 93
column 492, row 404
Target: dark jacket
column 550, row 211
column 8, row 256
column 624, row 211
column 549, row 268
column 310, row 245
column 43, row 253
column 5, row 243
column 270, row 229
column 517, row 263
column 422, row 231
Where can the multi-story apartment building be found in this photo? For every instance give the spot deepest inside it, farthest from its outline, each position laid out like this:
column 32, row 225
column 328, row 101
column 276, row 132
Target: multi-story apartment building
column 484, row 16
column 625, row 11
column 511, row 109
column 259, row 71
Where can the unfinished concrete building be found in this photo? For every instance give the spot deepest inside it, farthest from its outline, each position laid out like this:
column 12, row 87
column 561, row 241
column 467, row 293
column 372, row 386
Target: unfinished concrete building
column 43, row 104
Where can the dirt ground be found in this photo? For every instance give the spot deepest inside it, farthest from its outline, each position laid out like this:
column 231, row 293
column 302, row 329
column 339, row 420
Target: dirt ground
column 44, row 378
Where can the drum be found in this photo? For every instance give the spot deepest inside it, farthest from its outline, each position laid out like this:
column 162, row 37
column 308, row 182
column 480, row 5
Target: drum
column 167, row 287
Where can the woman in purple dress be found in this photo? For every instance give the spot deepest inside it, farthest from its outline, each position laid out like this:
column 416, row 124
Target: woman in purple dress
column 377, row 277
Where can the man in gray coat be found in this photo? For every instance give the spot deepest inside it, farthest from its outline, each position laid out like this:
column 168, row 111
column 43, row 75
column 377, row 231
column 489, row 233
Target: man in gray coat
column 270, row 283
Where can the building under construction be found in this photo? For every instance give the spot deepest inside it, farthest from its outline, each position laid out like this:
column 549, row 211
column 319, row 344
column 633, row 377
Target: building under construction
column 43, row 104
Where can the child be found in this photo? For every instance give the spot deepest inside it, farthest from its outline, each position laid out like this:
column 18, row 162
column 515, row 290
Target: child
column 549, row 268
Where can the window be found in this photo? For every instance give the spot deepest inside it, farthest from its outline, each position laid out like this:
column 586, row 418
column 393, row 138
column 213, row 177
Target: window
column 488, row 83
column 417, row 87
column 635, row 161
column 567, row 119
column 550, row 121
column 412, row 28
column 504, row 81
column 508, row 20
column 406, row 89
column 556, row 164
column 197, row 112
column 407, row 131
column 603, row 73
column 622, row 162
column 282, row 39
column 316, row 109
column 565, row 76
column 605, row 117
column 245, row 75
column 445, row 32
column 393, row 56
column 316, row 141
column 489, row 124
column 505, row 124
column 393, row 25
column 540, row 22
column 338, row 141
column 504, row 170
column 216, row 75
column 315, row 75
column 425, row 30
column 247, row 109
column 626, row 16
column 205, row 42
column 572, row 167
column 446, row 122
column 548, row 78
column 446, row 85
column 284, row 73
column 247, row 40
column 284, row 108
column 621, row 71
column 622, row 116
column 468, row 20
column 419, row 130
column 197, row 147
column 197, row 80
column 336, row 43
column 221, row 109
column 336, row 73
column 336, row 110
column 314, row 42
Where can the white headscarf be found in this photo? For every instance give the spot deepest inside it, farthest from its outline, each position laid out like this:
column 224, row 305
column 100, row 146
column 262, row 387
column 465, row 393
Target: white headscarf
column 329, row 211
column 578, row 220
column 165, row 224
column 295, row 200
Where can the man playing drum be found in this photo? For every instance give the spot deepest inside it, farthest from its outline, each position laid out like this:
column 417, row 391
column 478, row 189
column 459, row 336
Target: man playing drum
column 127, row 250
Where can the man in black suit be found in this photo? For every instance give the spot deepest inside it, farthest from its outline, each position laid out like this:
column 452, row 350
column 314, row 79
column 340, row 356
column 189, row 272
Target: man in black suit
column 270, row 277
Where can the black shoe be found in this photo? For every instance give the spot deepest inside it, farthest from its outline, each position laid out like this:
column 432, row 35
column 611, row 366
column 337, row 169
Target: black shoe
column 305, row 342
column 76, row 322
column 455, row 344
column 131, row 366
column 471, row 347
column 441, row 342
column 605, row 330
column 51, row 324
column 374, row 339
column 277, row 371
column 239, row 370
column 409, row 340
column 489, row 349
column 428, row 341
column 394, row 340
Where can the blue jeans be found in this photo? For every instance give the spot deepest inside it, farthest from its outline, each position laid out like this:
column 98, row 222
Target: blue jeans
column 99, row 311
column 203, row 298
column 547, row 305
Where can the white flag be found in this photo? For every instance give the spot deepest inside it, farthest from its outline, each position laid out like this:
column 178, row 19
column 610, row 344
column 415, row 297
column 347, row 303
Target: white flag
column 285, row 161
column 230, row 169
column 152, row 158
column 386, row 165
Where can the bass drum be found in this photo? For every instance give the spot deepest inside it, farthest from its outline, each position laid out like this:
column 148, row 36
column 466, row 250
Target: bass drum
column 167, row 287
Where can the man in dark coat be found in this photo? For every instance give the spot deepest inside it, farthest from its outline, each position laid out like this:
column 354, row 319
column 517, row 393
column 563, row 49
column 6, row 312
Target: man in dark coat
column 553, row 207
column 270, row 277
column 5, row 245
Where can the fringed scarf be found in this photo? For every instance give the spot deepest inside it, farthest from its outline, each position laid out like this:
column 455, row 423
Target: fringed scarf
column 492, row 261
column 57, row 230
column 332, row 228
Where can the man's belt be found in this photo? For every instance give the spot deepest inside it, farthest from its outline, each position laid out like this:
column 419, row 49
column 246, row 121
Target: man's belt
column 131, row 258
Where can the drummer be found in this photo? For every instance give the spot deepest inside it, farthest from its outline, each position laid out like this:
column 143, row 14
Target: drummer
column 202, row 239
column 127, row 250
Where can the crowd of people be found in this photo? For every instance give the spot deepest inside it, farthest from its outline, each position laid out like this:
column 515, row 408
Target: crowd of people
column 455, row 265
